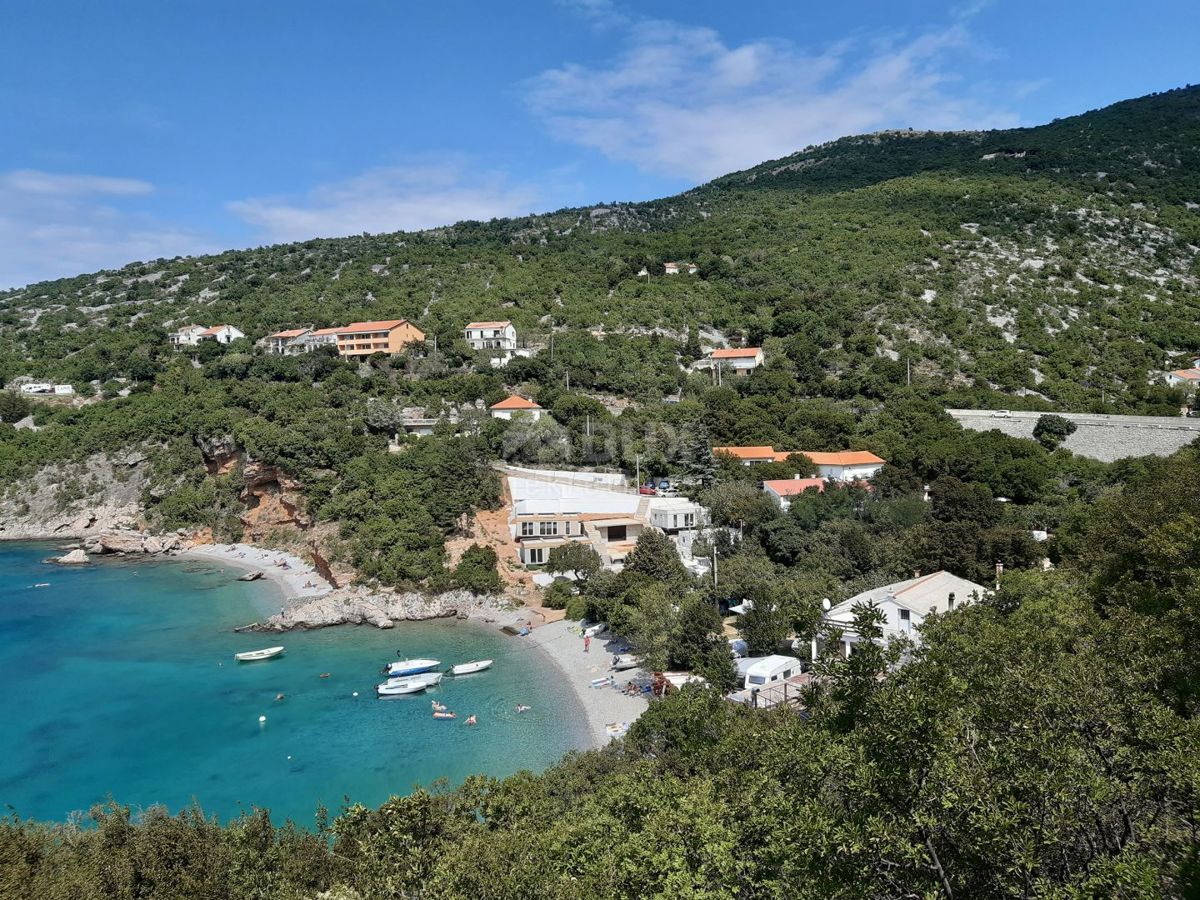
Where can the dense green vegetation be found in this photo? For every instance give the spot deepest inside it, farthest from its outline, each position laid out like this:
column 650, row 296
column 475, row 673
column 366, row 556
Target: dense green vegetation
column 1042, row 744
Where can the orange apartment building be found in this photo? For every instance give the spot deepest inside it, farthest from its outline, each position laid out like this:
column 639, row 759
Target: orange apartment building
column 365, row 338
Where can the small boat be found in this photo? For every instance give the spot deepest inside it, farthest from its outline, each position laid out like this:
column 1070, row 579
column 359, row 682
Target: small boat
column 616, row 729
column 443, row 714
column 429, row 679
column 602, row 682
column 256, row 655
column 469, row 667
column 598, row 628
column 399, row 688
column 250, row 576
column 624, row 661
column 510, row 629
column 411, row 667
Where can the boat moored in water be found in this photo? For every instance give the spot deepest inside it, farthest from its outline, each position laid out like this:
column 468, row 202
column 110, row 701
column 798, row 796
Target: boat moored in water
column 399, row 688
column 256, row 655
column 429, row 679
column 468, row 668
column 411, row 667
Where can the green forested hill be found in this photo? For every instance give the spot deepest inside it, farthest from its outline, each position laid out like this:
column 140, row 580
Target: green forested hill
column 1061, row 259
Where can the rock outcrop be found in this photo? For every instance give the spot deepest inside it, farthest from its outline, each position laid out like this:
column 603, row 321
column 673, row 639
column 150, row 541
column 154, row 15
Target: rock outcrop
column 101, row 493
column 274, row 500
column 76, row 557
column 221, row 454
column 133, row 542
column 383, row 609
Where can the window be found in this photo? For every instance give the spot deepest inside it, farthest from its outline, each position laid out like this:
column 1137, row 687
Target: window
column 905, row 615
column 527, row 529
column 535, row 556
column 689, row 520
column 549, row 528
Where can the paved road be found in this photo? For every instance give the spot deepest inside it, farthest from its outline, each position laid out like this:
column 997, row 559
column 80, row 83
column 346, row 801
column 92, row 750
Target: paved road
column 1106, row 438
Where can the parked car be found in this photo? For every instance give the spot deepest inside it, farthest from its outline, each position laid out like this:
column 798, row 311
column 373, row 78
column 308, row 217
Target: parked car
column 1001, row 414
column 648, row 489
column 664, row 485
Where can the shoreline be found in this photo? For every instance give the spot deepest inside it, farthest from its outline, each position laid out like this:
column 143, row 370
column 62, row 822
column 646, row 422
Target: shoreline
column 298, row 581
column 559, row 643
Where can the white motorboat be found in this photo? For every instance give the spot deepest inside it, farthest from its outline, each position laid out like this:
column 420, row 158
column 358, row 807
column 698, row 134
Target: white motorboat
column 468, row 668
column 411, row 667
column 429, row 679
column 256, row 655
column 624, row 661
column 598, row 628
column 399, row 687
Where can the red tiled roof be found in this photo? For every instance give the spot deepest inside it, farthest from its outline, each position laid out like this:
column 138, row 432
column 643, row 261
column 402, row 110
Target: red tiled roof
column 290, row 333
column 514, row 402
column 844, row 458
column 787, row 487
column 214, row 329
column 747, row 452
column 736, row 354
column 1189, row 374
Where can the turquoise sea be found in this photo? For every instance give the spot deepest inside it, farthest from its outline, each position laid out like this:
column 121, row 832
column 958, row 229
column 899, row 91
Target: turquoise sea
column 118, row 680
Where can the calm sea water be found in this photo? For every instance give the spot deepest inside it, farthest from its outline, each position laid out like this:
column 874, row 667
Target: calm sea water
column 118, row 680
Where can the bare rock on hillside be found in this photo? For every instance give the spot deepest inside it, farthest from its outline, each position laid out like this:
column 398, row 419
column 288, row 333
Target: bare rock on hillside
column 381, row 609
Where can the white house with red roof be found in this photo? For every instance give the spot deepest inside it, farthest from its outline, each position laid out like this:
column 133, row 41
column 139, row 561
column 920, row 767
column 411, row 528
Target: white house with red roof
column 289, row 342
column 846, row 465
column 514, row 405
column 191, row 335
column 1187, row 378
column 782, row 490
column 739, row 361
column 675, row 268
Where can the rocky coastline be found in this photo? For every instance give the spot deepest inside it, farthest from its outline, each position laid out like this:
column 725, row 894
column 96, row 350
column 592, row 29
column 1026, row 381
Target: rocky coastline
column 382, row 609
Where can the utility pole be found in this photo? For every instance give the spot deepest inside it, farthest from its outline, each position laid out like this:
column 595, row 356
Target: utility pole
column 552, row 346
column 908, row 375
column 568, row 379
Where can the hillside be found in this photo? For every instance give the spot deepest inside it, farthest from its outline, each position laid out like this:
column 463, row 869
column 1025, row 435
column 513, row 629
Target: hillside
column 1060, row 259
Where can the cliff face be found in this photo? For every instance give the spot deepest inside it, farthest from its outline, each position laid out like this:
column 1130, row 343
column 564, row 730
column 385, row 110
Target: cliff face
column 102, row 493
column 274, row 501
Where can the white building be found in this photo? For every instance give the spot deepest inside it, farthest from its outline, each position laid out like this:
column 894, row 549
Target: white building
column 1188, row 378
column 290, row 342
column 516, row 405
column 740, row 361
column 675, row 514
column 491, row 335
column 42, row 388
column 904, row 605
column 847, row 465
column 782, row 490
column 194, row 334
column 674, row 268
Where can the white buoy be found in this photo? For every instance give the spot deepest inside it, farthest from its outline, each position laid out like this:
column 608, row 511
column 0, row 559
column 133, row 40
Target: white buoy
column 355, row 694
column 261, row 719
column 289, row 757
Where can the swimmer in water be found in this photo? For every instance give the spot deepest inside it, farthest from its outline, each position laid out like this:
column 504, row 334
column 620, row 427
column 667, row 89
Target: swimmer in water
column 471, row 719
column 278, row 697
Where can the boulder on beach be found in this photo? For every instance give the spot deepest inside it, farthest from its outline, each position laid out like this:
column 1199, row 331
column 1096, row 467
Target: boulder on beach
column 76, row 557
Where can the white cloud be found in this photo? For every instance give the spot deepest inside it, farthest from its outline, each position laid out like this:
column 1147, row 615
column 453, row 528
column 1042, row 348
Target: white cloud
column 54, row 225
column 388, row 198
column 678, row 100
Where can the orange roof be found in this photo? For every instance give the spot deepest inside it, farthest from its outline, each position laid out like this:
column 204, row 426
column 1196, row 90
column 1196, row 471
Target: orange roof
column 736, row 354
column 387, row 325
column 326, row 331
column 844, row 458
column 1189, row 374
column 214, row 329
column 747, row 452
column 488, row 324
column 290, row 333
column 787, row 487
column 514, row 402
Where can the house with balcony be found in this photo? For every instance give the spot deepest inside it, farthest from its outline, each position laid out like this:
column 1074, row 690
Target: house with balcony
column 191, row 335
column 846, row 465
column 740, row 361
column 360, row 339
column 491, row 335
column 904, row 605
column 287, row 343
column 782, row 490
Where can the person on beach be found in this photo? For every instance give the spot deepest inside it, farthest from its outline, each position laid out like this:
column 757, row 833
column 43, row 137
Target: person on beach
column 587, row 642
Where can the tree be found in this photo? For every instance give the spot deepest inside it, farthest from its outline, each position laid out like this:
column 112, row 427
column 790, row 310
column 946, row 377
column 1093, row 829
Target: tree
column 1052, row 430
column 654, row 556
column 575, row 557
column 476, row 570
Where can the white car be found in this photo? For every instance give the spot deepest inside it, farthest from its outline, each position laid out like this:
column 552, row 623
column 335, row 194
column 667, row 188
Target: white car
column 1001, row 414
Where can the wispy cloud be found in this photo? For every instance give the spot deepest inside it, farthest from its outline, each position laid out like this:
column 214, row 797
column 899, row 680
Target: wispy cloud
column 679, row 100
column 53, row 225
column 388, row 198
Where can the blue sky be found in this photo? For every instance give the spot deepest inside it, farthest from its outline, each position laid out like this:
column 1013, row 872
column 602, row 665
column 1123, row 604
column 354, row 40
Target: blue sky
column 135, row 129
